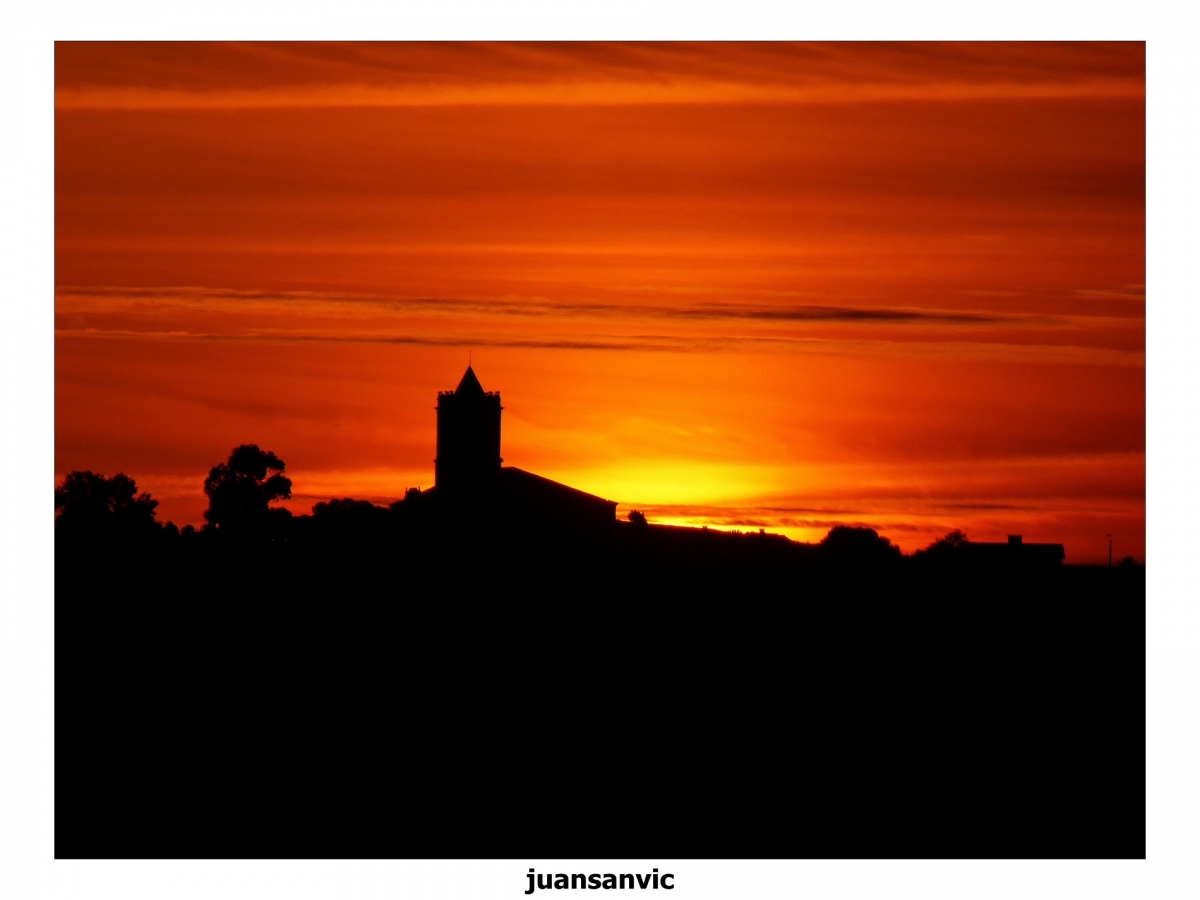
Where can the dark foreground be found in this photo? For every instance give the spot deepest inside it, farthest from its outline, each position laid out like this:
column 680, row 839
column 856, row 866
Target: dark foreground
column 365, row 689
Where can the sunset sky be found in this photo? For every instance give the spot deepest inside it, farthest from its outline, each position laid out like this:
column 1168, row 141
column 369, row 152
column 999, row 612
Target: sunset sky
column 741, row 285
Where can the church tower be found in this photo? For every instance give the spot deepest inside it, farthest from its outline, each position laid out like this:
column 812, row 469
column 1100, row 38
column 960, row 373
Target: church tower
column 468, row 439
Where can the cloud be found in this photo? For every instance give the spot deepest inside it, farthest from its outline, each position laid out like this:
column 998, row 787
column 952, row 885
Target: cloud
column 636, row 342
column 584, row 93
column 664, row 343
column 536, row 308
column 809, row 313
column 1133, row 292
column 263, row 316
column 306, row 76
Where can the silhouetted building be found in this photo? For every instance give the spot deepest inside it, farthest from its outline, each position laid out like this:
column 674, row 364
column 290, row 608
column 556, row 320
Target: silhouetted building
column 531, row 498
column 468, row 438
column 1014, row 552
column 468, row 473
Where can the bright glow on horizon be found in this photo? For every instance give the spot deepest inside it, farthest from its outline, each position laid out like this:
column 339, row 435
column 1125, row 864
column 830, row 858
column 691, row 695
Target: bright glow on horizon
column 728, row 284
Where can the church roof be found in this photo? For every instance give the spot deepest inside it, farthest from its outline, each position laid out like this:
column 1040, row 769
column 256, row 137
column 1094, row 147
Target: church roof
column 469, row 385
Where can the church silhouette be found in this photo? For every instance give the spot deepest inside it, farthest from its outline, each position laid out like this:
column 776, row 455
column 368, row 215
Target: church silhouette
column 501, row 637
column 471, row 482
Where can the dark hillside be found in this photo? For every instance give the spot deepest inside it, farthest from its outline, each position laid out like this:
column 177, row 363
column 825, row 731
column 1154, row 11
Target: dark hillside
column 364, row 682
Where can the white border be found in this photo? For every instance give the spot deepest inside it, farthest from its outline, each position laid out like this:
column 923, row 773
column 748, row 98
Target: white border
column 27, row 867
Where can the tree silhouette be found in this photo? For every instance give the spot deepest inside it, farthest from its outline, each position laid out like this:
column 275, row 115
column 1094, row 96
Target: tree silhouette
column 954, row 539
column 946, row 548
column 859, row 545
column 240, row 491
column 348, row 516
column 88, row 500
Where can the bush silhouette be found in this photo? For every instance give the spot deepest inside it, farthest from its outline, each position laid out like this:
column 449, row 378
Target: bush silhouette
column 349, row 516
column 240, row 491
column 89, row 501
column 946, row 547
column 954, row 539
column 865, row 545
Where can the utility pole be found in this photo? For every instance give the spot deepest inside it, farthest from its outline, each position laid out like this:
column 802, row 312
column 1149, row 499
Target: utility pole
column 1110, row 551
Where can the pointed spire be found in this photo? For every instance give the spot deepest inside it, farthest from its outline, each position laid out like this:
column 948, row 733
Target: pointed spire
column 469, row 384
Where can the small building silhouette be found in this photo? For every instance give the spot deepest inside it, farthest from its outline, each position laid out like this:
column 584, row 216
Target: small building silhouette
column 1014, row 552
column 469, row 475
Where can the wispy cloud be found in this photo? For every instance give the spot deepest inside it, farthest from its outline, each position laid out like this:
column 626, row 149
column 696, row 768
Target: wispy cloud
column 659, row 343
column 614, row 93
column 636, row 342
column 541, row 309
column 283, row 76
column 323, row 317
column 1132, row 292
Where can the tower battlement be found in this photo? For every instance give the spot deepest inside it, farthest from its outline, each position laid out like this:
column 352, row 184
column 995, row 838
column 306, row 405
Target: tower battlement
column 441, row 394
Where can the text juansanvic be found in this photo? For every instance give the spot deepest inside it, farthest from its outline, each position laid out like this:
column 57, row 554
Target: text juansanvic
column 598, row 882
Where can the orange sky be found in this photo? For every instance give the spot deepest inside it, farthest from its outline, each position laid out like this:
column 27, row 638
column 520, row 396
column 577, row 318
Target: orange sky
column 755, row 285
